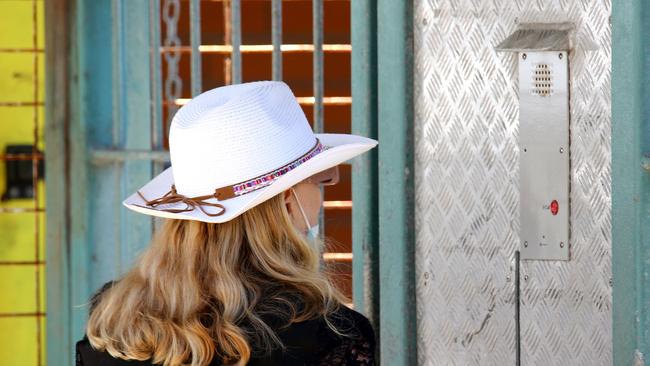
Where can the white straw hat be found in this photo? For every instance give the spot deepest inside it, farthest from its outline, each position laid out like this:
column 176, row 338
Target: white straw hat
column 234, row 147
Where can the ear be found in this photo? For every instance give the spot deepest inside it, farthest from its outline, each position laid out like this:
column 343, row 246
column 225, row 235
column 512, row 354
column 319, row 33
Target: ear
column 286, row 195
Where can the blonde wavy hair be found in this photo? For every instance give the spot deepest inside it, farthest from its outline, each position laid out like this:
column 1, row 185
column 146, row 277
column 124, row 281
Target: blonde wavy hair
column 201, row 290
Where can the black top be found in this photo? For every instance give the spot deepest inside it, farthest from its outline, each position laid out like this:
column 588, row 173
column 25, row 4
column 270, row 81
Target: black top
column 309, row 342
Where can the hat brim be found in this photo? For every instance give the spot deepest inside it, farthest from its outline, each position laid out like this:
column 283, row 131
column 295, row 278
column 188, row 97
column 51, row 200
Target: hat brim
column 343, row 147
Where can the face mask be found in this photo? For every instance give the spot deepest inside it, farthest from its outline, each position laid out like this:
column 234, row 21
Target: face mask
column 312, row 232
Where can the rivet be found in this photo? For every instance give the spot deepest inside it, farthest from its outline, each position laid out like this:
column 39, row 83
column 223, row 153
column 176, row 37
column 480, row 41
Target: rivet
column 560, row 55
column 561, row 150
column 526, row 244
column 526, row 278
column 561, row 244
column 507, row 278
column 523, row 56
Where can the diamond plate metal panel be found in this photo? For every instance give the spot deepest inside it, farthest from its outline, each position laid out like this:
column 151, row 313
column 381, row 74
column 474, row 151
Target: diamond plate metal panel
column 467, row 207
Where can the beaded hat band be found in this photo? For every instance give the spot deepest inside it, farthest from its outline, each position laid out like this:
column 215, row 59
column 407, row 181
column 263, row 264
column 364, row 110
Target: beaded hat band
column 264, row 180
column 231, row 191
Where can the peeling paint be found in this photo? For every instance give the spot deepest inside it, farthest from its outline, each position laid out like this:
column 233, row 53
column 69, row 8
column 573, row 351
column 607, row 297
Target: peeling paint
column 638, row 358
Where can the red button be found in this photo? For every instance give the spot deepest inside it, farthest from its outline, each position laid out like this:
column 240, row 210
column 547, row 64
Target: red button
column 555, row 207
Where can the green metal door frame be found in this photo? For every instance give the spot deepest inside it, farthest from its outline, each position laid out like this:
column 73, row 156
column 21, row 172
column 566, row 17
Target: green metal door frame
column 396, row 183
column 90, row 116
column 365, row 231
column 383, row 182
column 630, row 182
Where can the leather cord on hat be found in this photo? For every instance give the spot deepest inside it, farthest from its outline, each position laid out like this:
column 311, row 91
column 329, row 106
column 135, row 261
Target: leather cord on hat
column 230, row 191
column 192, row 202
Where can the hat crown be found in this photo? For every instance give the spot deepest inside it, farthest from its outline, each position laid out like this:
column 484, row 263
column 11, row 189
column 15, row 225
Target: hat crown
column 234, row 133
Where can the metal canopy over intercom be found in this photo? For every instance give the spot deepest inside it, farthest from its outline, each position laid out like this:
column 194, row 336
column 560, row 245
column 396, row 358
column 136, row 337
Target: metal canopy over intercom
column 544, row 164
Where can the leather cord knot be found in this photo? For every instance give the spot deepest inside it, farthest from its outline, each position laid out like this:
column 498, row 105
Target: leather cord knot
column 191, row 202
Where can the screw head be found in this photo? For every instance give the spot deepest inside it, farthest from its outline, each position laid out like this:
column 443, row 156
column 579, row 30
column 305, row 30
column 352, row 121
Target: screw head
column 561, row 150
column 525, row 277
column 525, row 244
column 561, row 244
column 523, row 56
column 560, row 55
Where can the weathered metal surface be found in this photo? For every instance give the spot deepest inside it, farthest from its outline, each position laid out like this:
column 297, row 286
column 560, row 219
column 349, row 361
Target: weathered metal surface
column 88, row 52
column 104, row 107
column 466, row 181
column 132, row 81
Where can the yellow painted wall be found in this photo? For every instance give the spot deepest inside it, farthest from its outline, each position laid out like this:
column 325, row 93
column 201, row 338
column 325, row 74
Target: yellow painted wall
column 18, row 231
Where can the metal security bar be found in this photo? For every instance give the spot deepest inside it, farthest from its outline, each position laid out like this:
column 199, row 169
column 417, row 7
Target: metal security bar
column 195, row 39
column 317, row 23
column 261, row 48
column 235, row 21
column 276, row 35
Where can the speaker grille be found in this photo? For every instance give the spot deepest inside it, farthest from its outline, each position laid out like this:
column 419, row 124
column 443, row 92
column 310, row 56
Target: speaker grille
column 542, row 79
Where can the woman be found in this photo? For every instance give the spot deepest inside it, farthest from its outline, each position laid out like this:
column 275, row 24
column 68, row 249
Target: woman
column 233, row 276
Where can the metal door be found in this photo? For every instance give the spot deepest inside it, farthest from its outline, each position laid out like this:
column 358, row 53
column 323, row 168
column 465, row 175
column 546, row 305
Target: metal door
column 110, row 93
column 466, row 164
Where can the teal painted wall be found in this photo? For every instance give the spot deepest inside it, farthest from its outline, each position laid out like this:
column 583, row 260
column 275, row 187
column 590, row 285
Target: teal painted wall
column 630, row 182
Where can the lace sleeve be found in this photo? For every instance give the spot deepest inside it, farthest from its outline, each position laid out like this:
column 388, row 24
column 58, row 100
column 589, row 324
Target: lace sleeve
column 358, row 350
